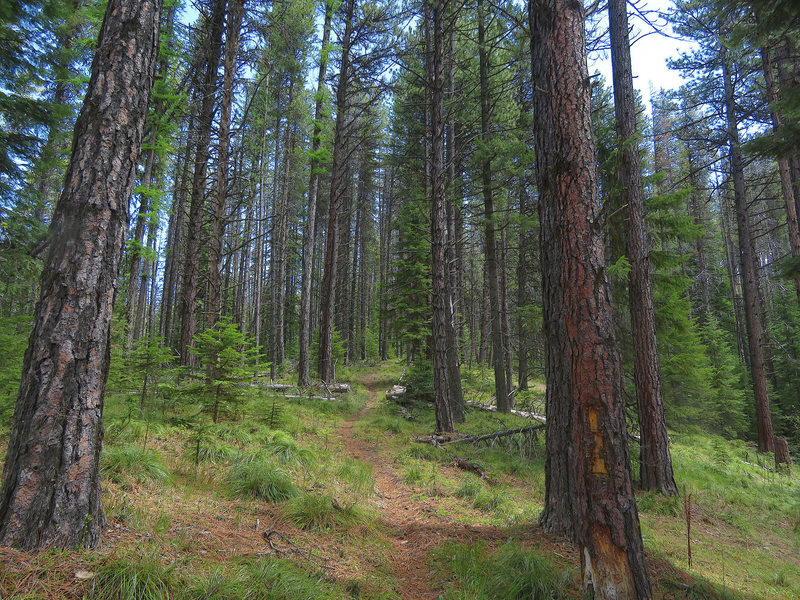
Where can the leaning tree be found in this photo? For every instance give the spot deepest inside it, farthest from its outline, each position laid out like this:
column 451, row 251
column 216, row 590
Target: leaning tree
column 51, row 480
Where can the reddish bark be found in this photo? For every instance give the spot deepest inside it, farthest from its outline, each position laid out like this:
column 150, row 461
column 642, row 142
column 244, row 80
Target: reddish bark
column 51, row 480
column 589, row 493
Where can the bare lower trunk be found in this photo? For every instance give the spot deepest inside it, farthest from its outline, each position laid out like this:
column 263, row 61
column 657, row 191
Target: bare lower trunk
column 446, row 380
column 235, row 10
column 191, row 265
column 328, row 293
column 51, row 481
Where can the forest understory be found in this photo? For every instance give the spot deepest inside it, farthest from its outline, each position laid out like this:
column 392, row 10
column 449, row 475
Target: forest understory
column 373, row 514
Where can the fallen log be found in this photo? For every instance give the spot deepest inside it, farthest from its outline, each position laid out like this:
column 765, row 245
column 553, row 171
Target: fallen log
column 518, row 413
column 395, row 392
column 278, row 387
column 440, row 440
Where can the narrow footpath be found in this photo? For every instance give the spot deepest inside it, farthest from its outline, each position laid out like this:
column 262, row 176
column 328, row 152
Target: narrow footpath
column 413, row 522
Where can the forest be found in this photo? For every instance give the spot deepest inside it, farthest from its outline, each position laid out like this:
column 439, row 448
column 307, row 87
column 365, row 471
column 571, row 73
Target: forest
column 228, row 227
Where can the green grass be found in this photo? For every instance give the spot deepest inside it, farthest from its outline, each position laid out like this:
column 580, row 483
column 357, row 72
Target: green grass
column 140, row 578
column 262, row 478
column 131, row 463
column 321, row 513
column 262, row 580
column 510, row 572
column 480, row 495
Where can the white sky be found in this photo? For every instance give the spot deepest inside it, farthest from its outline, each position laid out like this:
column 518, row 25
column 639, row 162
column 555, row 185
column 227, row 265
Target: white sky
column 649, row 53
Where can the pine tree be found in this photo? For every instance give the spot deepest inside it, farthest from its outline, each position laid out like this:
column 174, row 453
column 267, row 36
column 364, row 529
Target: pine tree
column 48, row 499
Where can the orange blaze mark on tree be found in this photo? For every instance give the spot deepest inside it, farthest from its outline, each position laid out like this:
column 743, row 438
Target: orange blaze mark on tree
column 598, row 448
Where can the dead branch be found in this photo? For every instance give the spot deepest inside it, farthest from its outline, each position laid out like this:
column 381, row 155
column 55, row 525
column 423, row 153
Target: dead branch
column 292, row 548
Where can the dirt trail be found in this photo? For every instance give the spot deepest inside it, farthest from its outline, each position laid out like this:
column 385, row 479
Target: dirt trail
column 413, row 522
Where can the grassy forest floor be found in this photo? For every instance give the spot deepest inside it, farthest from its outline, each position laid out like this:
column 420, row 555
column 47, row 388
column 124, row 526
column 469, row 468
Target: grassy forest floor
column 316, row 499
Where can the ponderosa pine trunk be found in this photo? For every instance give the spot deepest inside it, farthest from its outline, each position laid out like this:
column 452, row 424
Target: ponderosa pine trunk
column 446, row 379
column 337, row 189
column 589, row 492
column 501, row 386
column 655, row 462
column 232, row 36
column 51, row 481
column 191, row 262
column 309, row 233
column 783, row 165
column 747, row 262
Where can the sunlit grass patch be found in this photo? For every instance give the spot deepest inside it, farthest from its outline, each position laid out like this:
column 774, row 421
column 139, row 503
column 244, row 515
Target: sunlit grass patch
column 315, row 512
column 511, row 572
column 125, row 578
column 121, row 463
column 261, row 478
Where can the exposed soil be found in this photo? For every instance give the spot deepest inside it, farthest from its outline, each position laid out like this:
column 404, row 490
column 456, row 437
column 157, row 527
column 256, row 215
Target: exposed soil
column 417, row 524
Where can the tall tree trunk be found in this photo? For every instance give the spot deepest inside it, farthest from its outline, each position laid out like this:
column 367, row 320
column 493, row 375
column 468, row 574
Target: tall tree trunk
column 191, row 268
column 328, row 294
column 303, row 366
column 446, row 380
column 783, row 166
column 258, row 264
column 589, row 493
column 280, row 244
column 501, row 386
column 50, row 495
column 175, row 239
column 384, row 224
column 731, row 264
column 232, row 36
column 655, row 463
column 747, row 261
column 522, row 286
column 136, row 248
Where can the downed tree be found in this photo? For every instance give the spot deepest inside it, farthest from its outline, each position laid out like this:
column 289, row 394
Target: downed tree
column 442, row 440
column 518, row 413
column 396, row 392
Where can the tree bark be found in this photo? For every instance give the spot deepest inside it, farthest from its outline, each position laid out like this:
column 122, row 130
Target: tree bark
column 51, row 481
column 589, row 493
column 747, row 261
column 446, row 380
column 655, row 463
column 522, row 286
column 303, row 366
column 783, row 166
column 232, row 36
column 337, row 185
column 501, row 386
column 191, row 268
